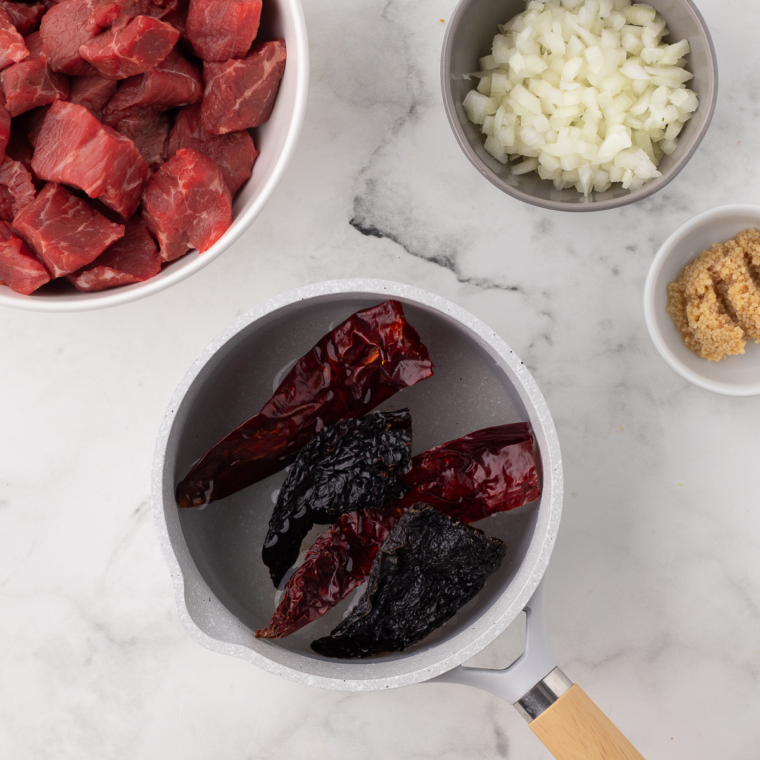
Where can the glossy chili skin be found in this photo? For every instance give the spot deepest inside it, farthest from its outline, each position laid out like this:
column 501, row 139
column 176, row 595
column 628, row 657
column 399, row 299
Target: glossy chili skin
column 471, row 473
column 488, row 471
column 354, row 464
column 354, row 368
column 336, row 564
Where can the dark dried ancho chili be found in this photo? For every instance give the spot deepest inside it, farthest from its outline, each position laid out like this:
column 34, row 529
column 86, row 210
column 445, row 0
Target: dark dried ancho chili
column 354, row 464
column 351, row 370
column 429, row 567
column 336, row 564
column 490, row 470
column 470, row 471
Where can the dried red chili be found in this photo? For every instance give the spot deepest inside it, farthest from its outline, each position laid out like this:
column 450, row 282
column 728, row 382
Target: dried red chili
column 488, row 471
column 337, row 563
column 351, row 370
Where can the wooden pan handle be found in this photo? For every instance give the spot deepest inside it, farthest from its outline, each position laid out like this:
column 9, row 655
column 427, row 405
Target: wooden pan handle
column 574, row 728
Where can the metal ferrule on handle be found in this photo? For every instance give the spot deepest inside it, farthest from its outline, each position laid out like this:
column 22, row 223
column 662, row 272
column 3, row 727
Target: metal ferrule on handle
column 558, row 711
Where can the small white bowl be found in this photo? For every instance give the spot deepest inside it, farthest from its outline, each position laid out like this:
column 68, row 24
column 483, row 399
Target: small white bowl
column 276, row 139
column 735, row 375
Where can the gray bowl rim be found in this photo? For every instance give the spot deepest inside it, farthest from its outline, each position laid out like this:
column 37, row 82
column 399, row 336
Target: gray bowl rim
column 442, row 656
column 644, row 192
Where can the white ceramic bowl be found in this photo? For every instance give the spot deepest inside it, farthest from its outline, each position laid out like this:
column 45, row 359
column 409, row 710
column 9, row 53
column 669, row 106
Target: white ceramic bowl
column 276, row 139
column 735, row 375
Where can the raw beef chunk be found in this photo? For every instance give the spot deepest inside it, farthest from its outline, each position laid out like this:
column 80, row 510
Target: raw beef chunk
column 174, row 82
column 70, row 24
column 187, row 204
column 429, row 567
column 149, row 131
column 18, row 182
column 12, row 47
column 20, row 269
column 76, row 149
column 93, row 93
column 240, row 93
column 131, row 48
column 234, row 153
column 5, row 130
column 24, row 17
column 133, row 258
column 65, row 231
column 32, row 83
column 222, row 29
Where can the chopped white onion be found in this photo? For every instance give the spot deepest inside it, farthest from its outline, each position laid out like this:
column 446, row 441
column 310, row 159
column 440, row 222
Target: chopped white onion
column 584, row 92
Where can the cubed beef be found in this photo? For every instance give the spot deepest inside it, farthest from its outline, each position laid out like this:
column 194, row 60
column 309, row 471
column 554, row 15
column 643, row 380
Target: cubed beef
column 93, row 93
column 130, row 48
column 20, row 269
column 133, row 258
column 149, row 131
column 23, row 16
column 240, row 93
column 233, row 153
column 65, row 231
column 32, row 83
column 70, row 24
column 17, row 180
column 187, row 204
column 76, row 149
column 174, row 82
column 222, row 29
column 12, row 47
column 5, row 130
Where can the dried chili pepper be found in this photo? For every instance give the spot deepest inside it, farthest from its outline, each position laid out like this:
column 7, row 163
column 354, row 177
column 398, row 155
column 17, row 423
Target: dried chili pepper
column 336, row 564
column 493, row 470
column 490, row 470
column 427, row 569
column 356, row 463
column 352, row 369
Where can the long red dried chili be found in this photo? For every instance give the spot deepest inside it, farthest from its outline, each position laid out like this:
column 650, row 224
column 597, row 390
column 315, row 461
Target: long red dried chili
column 351, row 370
column 488, row 471
column 338, row 561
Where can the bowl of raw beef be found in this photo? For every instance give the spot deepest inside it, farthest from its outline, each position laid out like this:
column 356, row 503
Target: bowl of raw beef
column 138, row 140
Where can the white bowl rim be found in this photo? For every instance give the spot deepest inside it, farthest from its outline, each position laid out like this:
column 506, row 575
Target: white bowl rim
column 76, row 302
column 666, row 249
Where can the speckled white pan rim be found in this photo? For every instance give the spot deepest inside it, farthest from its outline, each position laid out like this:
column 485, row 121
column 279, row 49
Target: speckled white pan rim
column 193, row 261
column 650, row 302
column 445, row 655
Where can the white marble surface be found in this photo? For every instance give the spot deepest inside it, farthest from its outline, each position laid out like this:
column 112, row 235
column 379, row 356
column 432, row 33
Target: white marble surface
column 654, row 587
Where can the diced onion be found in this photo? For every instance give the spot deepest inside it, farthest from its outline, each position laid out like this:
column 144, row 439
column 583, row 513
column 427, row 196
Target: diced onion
column 584, row 92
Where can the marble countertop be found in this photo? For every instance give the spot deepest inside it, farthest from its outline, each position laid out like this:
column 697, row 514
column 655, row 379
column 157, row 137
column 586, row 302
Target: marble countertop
column 654, row 587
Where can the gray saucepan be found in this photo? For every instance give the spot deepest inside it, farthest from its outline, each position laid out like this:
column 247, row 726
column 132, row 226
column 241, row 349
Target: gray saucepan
column 223, row 591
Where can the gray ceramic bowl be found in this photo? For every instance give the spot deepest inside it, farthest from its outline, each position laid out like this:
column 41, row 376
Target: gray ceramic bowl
column 469, row 37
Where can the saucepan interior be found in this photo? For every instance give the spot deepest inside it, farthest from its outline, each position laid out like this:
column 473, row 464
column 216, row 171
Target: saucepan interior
column 225, row 586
